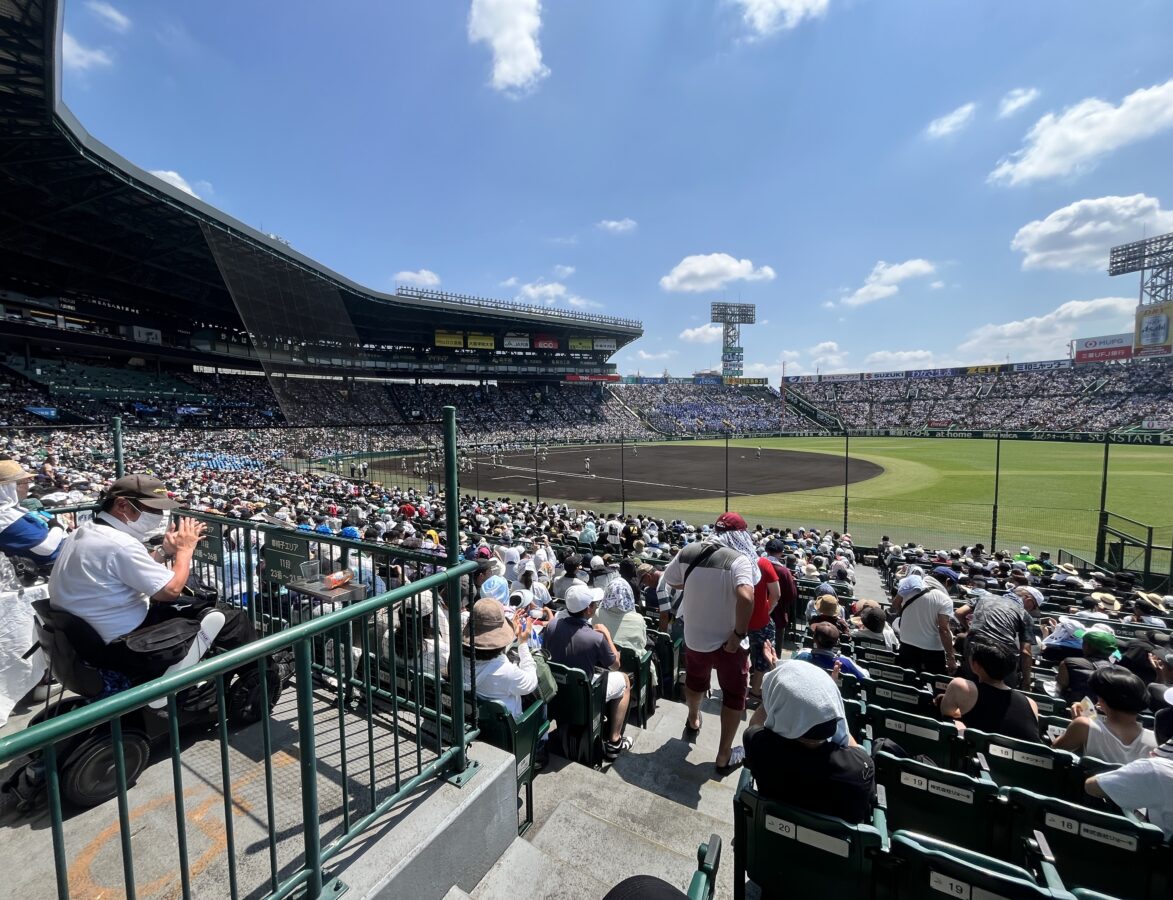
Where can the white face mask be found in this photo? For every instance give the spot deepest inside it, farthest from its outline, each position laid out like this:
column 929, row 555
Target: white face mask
column 147, row 525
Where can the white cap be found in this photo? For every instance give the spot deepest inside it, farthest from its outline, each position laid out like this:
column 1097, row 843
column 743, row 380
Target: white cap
column 597, row 563
column 580, row 596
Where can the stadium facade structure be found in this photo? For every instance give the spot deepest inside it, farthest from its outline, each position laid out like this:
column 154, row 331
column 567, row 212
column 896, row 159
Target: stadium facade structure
column 98, row 257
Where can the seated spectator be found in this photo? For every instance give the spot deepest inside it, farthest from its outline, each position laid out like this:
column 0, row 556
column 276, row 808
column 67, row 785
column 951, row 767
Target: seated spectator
column 1140, row 658
column 487, row 636
column 1145, row 783
column 828, row 610
column 991, row 705
column 875, row 630
column 568, row 577
column 825, row 653
column 790, row 750
column 1074, row 673
column 105, row 576
column 1115, row 735
column 23, row 533
column 1062, row 637
column 617, row 612
column 573, row 642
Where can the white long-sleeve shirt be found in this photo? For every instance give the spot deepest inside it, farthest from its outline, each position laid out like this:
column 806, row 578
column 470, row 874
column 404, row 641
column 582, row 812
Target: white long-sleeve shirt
column 500, row 679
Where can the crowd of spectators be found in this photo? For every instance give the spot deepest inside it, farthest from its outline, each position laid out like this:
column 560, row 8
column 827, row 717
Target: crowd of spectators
column 1092, row 397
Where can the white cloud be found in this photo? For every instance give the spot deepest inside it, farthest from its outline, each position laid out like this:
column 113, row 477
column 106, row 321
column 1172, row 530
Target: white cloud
column 711, row 272
column 111, row 17
column 885, row 280
column 952, row 122
column 617, row 226
column 775, row 369
column 644, row 355
column 562, row 271
column 767, row 16
column 542, row 291
column 511, row 281
column 1081, row 135
column 1016, row 100
column 936, row 285
column 702, row 334
column 582, row 302
column 1079, row 235
column 1047, row 336
column 510, row 28
column 891, row 360
column 422, row 278
column 827, row 355
column 176, row 180
column 78, row 58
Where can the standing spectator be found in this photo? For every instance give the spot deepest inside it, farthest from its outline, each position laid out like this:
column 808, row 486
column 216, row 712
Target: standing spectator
column 1004, row 621
column 785, row 608
column 761, row 628
column 716, row 610
column 926, row 642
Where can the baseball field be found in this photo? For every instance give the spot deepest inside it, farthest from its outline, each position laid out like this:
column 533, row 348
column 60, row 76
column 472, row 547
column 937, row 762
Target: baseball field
column 939, row 492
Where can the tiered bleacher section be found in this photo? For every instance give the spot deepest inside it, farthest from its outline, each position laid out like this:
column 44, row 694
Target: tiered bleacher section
column 1091, row 397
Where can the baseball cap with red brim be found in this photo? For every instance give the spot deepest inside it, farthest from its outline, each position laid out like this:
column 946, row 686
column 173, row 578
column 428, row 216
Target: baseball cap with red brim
column 143, row 490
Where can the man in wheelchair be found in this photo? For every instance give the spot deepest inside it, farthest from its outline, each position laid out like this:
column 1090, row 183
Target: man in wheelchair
column 127, row 610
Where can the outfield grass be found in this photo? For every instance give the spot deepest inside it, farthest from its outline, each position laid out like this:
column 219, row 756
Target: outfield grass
column 941, row 492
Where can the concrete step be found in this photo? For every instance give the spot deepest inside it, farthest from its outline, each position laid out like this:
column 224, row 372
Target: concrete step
column 455, row 893
column 524, row 872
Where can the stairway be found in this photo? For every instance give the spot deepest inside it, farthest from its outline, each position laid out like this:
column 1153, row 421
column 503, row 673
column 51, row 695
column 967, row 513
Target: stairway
column 643, row 815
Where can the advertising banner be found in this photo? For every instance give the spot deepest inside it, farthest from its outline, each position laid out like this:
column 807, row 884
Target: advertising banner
column 882, row 376
column 1043, row 366
column 545, row 342
column 706, row 379
column 984, row 370
column 481, row 341
column 605, row 344
column 614, row 379
column 1153, row 335
column 516, row 341
column 854, row 376
column 45, row 412
column 933, row 373
column 644, row 379
column 801, row 379
column 449, row 338
column 751, row 382
column 1108, row 346
column 579, row 343
column 146, row 335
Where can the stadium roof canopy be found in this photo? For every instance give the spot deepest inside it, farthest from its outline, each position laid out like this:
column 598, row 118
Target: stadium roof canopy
column 77, row 218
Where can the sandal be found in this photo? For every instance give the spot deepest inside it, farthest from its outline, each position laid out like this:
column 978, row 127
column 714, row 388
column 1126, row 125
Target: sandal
column 692, row 733
column 612, row 750
column 736, row 761
column 752, row 700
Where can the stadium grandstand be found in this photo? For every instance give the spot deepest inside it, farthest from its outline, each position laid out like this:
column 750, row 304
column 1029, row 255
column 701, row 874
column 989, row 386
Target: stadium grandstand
column 384, row 509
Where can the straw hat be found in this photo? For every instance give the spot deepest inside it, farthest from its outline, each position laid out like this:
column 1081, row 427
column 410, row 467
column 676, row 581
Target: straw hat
column 12, row 472
column 487, row 622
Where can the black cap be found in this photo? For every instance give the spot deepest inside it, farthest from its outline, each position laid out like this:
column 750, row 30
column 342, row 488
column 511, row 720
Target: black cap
column 775, row 545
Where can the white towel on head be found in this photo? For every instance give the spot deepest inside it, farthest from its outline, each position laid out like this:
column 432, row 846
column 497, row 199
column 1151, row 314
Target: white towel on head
column 797, row 696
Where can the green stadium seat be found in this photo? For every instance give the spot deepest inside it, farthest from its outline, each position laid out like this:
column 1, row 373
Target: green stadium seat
column 1050, row 706
column 917, row 735
column 923, row 868
column 577, row 709
column 891, row 695
column 867, row 653
column 857, row 722
column 1051, row 727
column 668, row 660
column 521, row 738
column 708, row 861
column 944, row 804
column 643, row 689
column 1093, row 849
column 1014, row 763
column 789, row 852
column 882, row 671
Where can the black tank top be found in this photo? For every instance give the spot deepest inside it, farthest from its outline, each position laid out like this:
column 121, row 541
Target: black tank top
column 1006, row 712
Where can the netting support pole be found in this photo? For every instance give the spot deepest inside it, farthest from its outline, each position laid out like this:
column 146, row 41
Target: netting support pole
column 116, row 434
column 622, row 482
column 1104, row 477
column 846, row 470
column 453, row 598
column 997, row 482
column 726, row 470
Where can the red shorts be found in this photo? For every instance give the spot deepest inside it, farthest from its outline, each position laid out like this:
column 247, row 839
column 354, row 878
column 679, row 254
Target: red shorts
column 732, row 673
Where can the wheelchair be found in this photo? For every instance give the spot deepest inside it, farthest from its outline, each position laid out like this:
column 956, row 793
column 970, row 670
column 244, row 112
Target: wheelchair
column 86, row 761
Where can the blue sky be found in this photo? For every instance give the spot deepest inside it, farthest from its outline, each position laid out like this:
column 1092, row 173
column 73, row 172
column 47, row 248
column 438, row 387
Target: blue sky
column 894, row 183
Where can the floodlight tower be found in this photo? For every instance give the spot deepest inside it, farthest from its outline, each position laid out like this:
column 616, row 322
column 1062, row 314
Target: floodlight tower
column 731, row 316
column 1153, row 258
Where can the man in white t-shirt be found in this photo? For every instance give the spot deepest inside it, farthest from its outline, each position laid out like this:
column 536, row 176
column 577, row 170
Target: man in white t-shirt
column 717, row 576
column 105, row 576
column 926, row 641
column 1142, row 784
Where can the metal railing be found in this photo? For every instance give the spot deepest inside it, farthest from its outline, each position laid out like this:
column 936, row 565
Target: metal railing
column 374, row 717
